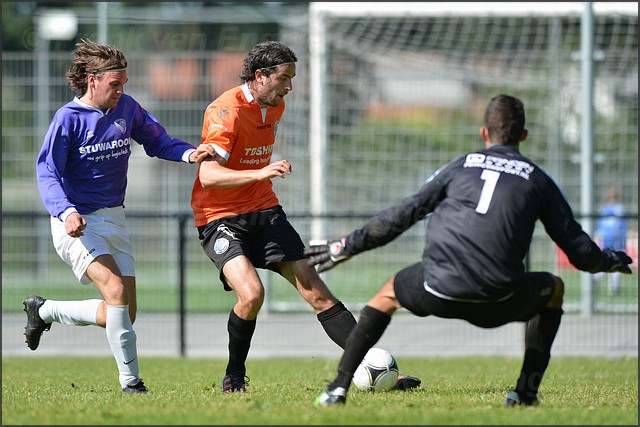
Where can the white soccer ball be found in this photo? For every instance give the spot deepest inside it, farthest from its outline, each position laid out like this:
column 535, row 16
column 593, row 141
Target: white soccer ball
column 378, row 371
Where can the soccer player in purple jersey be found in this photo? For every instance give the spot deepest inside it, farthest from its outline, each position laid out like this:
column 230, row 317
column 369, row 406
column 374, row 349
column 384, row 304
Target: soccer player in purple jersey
column 82, row 177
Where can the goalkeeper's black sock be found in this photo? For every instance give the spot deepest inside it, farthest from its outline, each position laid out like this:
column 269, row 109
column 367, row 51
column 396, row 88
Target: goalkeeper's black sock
column 540, row 334
column 370, row 328
column 240, row 334
column 338, row 322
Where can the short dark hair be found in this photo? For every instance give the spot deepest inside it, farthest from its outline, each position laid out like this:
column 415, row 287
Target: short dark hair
column 505, row 120
column 266, row 56
column 90, row 57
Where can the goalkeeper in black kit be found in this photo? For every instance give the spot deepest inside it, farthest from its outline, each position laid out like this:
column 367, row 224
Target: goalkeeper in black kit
column 481, row 211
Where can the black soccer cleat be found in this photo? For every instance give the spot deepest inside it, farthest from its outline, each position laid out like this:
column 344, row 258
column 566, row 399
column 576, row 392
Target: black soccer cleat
column 337, row 396
column 235, row 382
column 137, row 388
column 35, row 325
column 406, row 382
column 516, row 399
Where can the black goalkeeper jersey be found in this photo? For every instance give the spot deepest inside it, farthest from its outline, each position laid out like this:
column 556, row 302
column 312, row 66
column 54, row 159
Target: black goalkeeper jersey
column 482, row 209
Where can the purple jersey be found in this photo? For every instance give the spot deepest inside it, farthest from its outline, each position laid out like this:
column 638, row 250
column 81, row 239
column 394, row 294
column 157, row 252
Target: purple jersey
column 85, row 156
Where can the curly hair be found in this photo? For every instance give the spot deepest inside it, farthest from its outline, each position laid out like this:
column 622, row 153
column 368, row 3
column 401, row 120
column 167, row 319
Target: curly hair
column 505, row 119
column 266, row 56
column 91, row 57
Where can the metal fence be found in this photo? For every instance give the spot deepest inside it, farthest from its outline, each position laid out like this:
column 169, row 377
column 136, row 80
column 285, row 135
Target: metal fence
column 177, row 283
column 404, row 94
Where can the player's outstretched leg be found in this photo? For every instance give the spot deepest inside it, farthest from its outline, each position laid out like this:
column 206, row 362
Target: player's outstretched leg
column 35, row 325
column 539, row 337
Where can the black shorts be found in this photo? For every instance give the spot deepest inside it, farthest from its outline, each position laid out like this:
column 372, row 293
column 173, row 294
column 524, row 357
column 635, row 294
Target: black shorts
column 529, row 298
column 265, row 237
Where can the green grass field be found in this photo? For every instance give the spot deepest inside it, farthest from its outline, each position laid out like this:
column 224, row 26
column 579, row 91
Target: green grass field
column 467, row 390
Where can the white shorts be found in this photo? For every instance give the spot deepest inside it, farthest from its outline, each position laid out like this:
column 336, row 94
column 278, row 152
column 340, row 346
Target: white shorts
column 106, row 233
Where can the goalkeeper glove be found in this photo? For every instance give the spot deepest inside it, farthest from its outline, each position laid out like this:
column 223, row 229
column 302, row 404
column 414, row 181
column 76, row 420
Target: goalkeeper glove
column 616, row 261
column 327, row 254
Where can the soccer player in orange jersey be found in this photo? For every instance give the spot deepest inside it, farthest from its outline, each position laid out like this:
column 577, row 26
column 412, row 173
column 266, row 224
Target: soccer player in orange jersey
column 240, row 221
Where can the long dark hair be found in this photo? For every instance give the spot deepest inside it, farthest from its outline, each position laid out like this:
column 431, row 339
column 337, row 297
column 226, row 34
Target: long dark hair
column 266, row 56
column 90, row 57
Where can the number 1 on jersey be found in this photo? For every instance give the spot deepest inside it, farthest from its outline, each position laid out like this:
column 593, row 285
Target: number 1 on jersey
column 490, row 179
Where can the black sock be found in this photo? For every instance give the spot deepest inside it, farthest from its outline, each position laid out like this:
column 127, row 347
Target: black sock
column 370, row 328
column 338, row 322
column 541, row 332
column 240, row 334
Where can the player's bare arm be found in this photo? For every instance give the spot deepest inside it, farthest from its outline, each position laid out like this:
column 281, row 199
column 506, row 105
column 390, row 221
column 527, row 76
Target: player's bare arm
column 213, row 173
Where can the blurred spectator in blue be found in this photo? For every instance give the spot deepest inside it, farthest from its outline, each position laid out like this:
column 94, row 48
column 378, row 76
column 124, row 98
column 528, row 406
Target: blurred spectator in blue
column 611, row 232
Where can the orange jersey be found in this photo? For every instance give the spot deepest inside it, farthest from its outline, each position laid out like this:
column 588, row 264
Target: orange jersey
column 243, row 134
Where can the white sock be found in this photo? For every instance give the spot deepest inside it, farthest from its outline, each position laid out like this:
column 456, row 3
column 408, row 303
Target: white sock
column 77, row 313
column 122, row 339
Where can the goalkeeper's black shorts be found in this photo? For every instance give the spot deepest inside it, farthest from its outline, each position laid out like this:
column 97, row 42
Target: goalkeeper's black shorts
column 265, row 237
column 528, row 299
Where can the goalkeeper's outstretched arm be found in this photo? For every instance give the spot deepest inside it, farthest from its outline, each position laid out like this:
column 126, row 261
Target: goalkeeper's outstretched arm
column 378, row 231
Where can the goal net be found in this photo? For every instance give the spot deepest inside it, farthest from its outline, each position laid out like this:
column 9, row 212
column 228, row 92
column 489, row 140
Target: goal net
column 402, row 89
